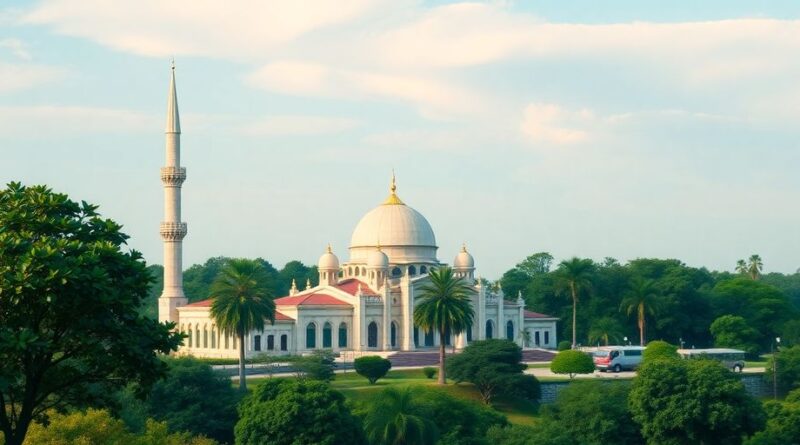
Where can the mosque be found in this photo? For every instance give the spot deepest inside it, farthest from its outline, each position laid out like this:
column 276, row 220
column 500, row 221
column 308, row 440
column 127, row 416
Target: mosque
column 363, row 304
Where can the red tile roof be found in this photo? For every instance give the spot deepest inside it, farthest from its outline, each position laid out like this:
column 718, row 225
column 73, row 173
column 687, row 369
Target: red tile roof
column 350, row 286
column 207, row 303
column 530, row 314
column 314, row 299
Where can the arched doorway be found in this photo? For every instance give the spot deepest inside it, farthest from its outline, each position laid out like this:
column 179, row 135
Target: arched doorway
column 393, row 335
column 510, row 330
column 327, row 335
column 372, row 335
column 311, row 336
column 489, row 329
column 342, row 335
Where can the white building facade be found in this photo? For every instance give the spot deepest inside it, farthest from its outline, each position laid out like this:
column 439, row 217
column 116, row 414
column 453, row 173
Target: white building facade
column 363, row 304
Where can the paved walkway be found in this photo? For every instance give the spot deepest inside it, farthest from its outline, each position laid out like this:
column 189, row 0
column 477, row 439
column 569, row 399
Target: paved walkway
column 431, row 358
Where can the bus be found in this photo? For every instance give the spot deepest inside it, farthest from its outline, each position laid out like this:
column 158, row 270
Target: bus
column 618, row 358
column 732, row 359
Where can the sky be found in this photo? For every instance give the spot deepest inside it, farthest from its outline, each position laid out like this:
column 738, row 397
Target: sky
column 622, row 129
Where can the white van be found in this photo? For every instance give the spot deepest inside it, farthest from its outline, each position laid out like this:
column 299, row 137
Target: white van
column 618, row 358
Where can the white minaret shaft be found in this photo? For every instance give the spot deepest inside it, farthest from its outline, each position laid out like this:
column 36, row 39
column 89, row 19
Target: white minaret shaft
column 172, row 229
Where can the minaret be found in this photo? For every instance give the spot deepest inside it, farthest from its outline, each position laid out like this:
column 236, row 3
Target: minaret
column 172, row 229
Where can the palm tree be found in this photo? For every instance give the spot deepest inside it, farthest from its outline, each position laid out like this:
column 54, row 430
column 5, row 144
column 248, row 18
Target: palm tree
column 755, row 266
column 741, row 267
column 241, row 303
column 444, row 305
column 395, row 419
column 642, row 298
column 574, row 276
column 605, row 330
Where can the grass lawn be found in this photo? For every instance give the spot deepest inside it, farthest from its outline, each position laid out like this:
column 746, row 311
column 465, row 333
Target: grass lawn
column 758, row 364
column 357, row 388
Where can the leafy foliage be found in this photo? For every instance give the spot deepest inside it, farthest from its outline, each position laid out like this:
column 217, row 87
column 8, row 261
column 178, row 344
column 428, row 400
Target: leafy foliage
column 642, row 299
column 732, row 331
column 564, row 345
column 495, row 368
column 692, row 401
column 444, row 306
column 318, row 365
column 395, row 417
column 69, row 308
column 296, row 411
column 372, row 367
column 783, row 422
column 572, row 362
column 786, row 362
column 605, row 330
column 429, row 371
column 574, row 277
column 659, row 349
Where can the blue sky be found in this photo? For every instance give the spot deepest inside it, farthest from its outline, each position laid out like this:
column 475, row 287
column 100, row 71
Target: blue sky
column 623, row 128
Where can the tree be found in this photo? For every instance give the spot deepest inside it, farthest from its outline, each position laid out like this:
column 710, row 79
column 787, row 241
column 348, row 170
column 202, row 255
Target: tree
column 296, row 411
column 642, row 299
column 741, row 267
column 444, row 305
column 594, row 412
column 755, row 266
column 538, row 263
column 732, row 331
column 783, row 422
column 372, row 367
column 605, row 330
column 495, row 368
column 574, row 276
column 659, row 350
column 791, row 332
column 459, row 421
column 194, row 398
column 395, row 418
column 316, row 366
column 692, row 401
column 786, row 362
column 241, row 303
column 69, row 302
column 572, row 362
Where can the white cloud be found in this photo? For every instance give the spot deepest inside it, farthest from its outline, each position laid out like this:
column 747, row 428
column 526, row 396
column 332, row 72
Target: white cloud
column 32, row 121
column 298, row 125
column 552, row 124
column 15, row 77
column 17, row 48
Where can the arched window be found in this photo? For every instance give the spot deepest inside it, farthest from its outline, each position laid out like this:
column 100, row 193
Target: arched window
column 350, row 271
column 358, row 271
column 396, row 272
column 205, row 336
column 510, row 330
column 311, row 336
column 423, row 270
column 372, row 335
column 197, row 336
column 342, row 335
column 429, row 338
column 270, row 342
column 227, row 341
column 364, row 271
column 416, row 337
column 469, row 333
column 190, row 336
column 393, row 335
column 213, row 337
column 412, row 270
column 489, row 329
column 257, row 343
column 327, row 335
column 284, row 342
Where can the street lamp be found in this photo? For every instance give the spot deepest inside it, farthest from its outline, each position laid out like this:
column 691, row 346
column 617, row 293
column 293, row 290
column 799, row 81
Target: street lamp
column 681, row 340
column 625, row 339
column 775, row 367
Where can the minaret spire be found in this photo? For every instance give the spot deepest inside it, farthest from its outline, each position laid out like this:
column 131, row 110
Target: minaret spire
column 172, row 229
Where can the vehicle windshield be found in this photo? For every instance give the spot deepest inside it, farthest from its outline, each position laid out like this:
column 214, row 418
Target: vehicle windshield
column 602, row 354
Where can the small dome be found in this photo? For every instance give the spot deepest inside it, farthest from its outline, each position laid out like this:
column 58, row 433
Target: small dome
column 464, row 260
column 377, row 259
column 328, row 261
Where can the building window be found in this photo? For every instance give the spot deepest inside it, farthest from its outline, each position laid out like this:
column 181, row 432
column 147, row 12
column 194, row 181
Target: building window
column 412, row 270
column 546, row 338
column 342, row 335
column 213, row 337
column 257, row 343
column 489, row 329
column 423, row 270
column 327, row 335
column 284, row 342
column 416, row 337
column 393, row 335
column 469, row 333
column 536, row 338
column 396, row 272
column 447, row 337
column 311, row 336
column 510, row 330
column 270, row 342
column 364, row 271
column 429, row 338
column 190, row 336
column 205, row 337
column 372, row 335
column 227, row 341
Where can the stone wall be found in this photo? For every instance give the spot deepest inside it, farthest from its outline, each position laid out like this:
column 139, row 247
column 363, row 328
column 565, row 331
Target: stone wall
column 550, row 391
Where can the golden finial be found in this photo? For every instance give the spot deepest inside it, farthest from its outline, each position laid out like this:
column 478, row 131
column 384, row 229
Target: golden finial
column 393, row 199
column 464, row 247
column 172, row 63
column 329, row 248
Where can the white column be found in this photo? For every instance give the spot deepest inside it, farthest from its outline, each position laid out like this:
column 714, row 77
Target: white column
column 481, row 311
column 407, row 301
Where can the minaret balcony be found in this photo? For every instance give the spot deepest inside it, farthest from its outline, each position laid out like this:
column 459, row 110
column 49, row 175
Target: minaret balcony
column 173, row 231
column 173, row 176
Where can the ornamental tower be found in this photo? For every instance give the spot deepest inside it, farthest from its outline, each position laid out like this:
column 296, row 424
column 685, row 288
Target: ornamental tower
column 172, row 229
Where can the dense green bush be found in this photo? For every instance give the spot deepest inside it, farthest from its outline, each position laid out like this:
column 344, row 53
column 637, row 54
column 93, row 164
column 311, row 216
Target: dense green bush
column 783, row 422
column 732, row 331
column 787, row 362
column 296, row 411
column 429, row 371
column 659, row 349
column 564, row 345
column 692, row 401
column 372, row 367
column 572, row 362
column 495, row 368
column 318, row 365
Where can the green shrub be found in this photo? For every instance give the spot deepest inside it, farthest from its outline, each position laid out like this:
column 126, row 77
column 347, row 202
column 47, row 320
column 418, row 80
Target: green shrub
column 429, row 371
column 564, row 345
column 788, row 368
column 316, row 366
column 372, row 367
column 572, row 362
column 659, row 349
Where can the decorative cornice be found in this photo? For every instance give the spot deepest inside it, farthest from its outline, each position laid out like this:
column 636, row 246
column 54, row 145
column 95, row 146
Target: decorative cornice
column 172, row 231
column 173, row 176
